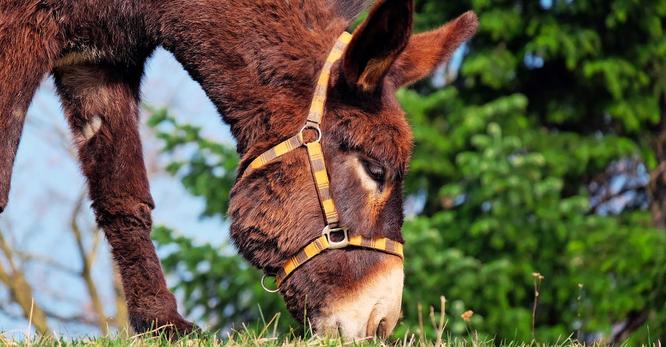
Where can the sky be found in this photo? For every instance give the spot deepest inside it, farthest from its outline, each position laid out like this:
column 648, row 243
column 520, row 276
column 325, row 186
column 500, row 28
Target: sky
column 47, row 182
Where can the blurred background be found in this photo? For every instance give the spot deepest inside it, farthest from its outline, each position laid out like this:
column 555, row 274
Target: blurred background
column 536, row 197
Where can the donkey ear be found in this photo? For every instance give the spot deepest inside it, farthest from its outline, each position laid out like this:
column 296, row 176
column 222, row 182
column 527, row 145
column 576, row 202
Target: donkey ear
column 377, row 43
column 428, row 50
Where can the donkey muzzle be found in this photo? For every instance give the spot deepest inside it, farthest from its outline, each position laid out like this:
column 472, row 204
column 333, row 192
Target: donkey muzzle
column 370, row 309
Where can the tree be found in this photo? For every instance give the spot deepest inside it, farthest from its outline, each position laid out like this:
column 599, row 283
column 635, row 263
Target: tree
column 503, row 214
column 592, row 75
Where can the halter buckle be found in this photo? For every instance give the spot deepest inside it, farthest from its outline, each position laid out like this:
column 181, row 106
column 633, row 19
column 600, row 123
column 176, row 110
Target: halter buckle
column 309, row 125
column 336, row 237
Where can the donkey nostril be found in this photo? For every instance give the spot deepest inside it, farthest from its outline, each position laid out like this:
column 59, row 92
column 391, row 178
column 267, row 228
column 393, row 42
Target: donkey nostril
column 381, row 329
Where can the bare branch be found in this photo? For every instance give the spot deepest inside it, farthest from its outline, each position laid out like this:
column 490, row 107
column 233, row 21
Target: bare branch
column 65, row 319
column 122, row 316
column 21, row 290
column 606, row 198
column 26, row 257
column 87, row 258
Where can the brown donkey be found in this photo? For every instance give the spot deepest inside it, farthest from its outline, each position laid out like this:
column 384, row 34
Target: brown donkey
column 258, row 61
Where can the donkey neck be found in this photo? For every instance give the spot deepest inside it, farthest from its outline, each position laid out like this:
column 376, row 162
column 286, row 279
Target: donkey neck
column 258, row 61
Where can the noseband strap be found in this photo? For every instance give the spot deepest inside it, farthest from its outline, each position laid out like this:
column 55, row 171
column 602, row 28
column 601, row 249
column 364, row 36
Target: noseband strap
column 333, row 236
column 325, row 242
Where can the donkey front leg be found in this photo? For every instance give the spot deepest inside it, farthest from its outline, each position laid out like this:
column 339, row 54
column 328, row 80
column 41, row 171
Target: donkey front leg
column 101, row 104
column 28, row 45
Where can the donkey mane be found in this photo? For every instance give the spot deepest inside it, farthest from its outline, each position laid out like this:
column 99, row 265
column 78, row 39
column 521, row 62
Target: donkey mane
column 270, row 56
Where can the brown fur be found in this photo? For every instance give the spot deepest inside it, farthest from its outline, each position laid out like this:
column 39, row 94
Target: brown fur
column 258, row 61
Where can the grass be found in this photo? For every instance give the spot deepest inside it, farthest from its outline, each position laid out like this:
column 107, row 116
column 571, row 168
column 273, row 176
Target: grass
column 248, row 338
column 267, row 335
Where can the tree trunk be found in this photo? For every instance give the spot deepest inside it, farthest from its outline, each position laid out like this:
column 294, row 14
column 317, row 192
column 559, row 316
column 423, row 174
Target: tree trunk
column 657, row 188
column 657, row 195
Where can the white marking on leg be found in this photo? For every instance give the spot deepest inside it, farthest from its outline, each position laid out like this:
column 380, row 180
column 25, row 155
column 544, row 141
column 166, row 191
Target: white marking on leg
column 91, row 128
column 18, row 113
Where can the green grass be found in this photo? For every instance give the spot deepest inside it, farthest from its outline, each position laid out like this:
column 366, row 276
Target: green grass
column 266, row 336
column 266, row 333
column 251, row 339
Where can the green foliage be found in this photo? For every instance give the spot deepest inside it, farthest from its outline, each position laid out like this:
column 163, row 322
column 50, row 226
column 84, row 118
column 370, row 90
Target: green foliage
column 218, row 287
column 501, row 214
column 210, row 169
column 548, row 96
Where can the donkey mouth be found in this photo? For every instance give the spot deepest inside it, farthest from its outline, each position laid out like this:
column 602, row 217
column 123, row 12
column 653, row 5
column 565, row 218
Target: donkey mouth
column 371, row 309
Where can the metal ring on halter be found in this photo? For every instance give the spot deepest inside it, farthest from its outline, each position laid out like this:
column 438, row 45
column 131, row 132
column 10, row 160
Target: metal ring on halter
column 263, row 285
column 336, row 237
column 307, row 126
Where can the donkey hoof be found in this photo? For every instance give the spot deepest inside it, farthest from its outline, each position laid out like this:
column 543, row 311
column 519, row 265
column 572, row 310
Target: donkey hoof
column 178, row 328
column 172, row 327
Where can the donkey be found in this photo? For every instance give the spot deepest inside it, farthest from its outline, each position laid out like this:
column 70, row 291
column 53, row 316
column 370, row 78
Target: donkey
column 258, row 61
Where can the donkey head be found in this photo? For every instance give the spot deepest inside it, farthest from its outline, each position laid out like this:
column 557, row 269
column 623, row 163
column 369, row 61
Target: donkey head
column 366, row 144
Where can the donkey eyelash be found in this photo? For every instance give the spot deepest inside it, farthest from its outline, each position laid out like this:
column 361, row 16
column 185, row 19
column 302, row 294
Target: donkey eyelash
column 374, row 170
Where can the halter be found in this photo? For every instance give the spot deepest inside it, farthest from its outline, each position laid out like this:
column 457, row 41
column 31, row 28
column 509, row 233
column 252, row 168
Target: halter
column 332, row 236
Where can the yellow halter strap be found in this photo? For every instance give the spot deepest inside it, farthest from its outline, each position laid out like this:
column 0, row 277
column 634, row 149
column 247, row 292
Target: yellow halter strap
column 333, row 236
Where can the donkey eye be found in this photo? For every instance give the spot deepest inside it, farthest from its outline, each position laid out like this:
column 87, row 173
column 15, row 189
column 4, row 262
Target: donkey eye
column 375, row 171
